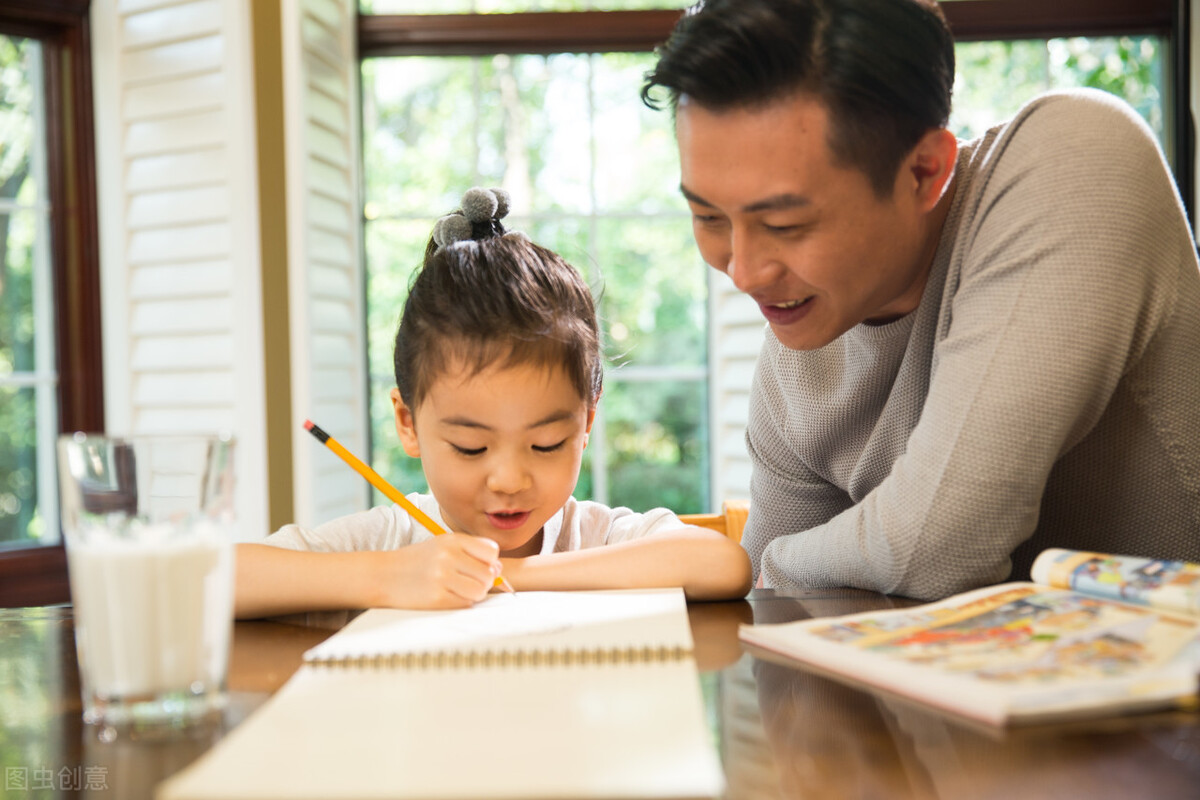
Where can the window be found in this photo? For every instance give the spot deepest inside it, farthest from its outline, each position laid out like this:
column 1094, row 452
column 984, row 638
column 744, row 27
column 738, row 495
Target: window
column 592, row 175
column 50, row 372
column 28, row 379
column 1010, row 51
column 1132, row 67
column 546, row 104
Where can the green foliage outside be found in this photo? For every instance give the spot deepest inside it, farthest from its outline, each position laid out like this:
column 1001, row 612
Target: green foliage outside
column 19, row 518
column 995, row 79
column 593, row 175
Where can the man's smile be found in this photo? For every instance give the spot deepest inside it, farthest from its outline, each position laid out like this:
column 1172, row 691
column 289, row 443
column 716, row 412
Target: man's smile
column 786, row 312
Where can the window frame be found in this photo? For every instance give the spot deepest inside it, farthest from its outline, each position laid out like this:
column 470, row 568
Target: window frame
column 473, row 34
column 598, row 461
column 970, row 20
column 37, row 575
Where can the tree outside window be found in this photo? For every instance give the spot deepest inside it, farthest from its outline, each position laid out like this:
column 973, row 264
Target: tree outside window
column 28, row 380
column 594, row 176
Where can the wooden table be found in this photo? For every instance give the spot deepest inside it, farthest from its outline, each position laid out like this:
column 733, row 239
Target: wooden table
column 782, row 732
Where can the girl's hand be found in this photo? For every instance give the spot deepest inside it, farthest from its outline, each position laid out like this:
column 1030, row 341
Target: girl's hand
column 454, row 570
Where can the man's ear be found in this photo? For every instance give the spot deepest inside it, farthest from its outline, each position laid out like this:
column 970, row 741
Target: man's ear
column 930, row 166
column 406, row 425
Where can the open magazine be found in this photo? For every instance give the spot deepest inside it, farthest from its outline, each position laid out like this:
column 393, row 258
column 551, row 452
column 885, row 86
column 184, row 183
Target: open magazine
column 1087, row 641
column 1172, row 585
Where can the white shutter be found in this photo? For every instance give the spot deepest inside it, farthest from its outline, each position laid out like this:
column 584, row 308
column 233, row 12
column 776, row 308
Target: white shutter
column 735, row 336
column 325, row 280
column 180, row 270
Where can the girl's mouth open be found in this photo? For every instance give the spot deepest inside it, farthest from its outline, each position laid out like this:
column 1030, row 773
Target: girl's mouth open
column 507, row 520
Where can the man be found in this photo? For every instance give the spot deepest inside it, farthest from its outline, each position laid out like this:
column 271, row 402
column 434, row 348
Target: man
column 976, row 350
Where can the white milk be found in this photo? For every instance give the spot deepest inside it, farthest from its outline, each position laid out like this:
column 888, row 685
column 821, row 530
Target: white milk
column 152, row 615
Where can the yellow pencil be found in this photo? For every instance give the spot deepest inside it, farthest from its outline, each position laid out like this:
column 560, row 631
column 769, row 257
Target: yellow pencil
column 391, row 492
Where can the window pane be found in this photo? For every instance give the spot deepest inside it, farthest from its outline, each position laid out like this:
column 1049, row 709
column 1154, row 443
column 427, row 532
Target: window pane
column 654, row 292
column 996, row 78
column 525, row 122
column 28, row 384
column 17, row 330
column 656, row 436
column 637, row 162
column 546, row 124
column 17, row 188
column 387, row 457
column 570, row 236
column 418, row 133
column 20, row 520
column 593, row 175
column 393, row 249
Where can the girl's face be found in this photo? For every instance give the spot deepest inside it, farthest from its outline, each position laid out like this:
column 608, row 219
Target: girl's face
column 501, row 449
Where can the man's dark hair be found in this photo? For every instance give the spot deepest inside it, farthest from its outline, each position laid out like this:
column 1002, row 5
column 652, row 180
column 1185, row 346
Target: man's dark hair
column 884, row 69
column 496, row 299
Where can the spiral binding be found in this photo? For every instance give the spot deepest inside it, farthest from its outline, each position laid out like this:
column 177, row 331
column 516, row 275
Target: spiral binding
column 507, row 658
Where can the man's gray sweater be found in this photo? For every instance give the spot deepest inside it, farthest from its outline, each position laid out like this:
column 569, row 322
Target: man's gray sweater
column 1046, row 392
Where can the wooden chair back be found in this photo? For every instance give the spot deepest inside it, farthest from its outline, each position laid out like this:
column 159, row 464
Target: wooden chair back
column 729, row 522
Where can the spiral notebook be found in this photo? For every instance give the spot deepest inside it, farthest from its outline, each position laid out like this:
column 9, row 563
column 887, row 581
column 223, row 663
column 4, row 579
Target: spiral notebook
column 533, row 695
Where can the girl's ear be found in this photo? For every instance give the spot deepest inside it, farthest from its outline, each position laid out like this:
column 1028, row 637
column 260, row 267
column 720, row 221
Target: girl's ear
column 591, row 417
column 406, row 426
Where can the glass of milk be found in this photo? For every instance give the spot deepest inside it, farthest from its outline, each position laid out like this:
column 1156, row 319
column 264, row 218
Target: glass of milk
column 149, row 528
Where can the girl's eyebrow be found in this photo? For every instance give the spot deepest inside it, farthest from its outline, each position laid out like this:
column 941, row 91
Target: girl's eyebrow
column 549, row 419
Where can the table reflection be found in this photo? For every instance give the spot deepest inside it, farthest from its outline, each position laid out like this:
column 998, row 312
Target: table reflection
column 783, row 732
column 792, row 733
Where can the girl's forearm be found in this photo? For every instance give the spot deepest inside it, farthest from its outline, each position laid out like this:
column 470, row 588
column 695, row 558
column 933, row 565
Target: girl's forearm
column 273, row 580
column 705, row 564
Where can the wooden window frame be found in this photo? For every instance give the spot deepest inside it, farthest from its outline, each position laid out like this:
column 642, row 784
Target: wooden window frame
column 971, row 20
column 37, row 575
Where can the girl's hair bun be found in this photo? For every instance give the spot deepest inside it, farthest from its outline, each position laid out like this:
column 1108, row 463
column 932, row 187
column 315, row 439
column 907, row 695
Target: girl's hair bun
column 483, row 207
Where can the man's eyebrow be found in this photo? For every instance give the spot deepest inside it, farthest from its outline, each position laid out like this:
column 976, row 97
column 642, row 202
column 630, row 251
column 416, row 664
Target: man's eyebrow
column 692, row 197
column 777, row 202
column 467, row 422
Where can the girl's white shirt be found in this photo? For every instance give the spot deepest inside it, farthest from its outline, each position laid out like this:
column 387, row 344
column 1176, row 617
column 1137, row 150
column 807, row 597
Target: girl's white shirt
column 578, row 525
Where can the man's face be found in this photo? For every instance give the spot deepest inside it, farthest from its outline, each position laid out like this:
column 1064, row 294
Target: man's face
column 810, row 241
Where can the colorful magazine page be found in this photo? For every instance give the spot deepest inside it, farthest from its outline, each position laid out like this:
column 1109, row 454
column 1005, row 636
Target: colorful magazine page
column 1013, row 652
column 1145, row 581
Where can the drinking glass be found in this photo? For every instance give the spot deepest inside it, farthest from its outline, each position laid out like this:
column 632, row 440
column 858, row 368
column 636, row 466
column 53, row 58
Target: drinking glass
column 149, row 523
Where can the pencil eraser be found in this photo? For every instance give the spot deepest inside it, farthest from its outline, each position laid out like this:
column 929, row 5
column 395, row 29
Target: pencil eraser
column 308, row 425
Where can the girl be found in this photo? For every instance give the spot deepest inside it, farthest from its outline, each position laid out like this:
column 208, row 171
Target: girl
column 498, row 372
